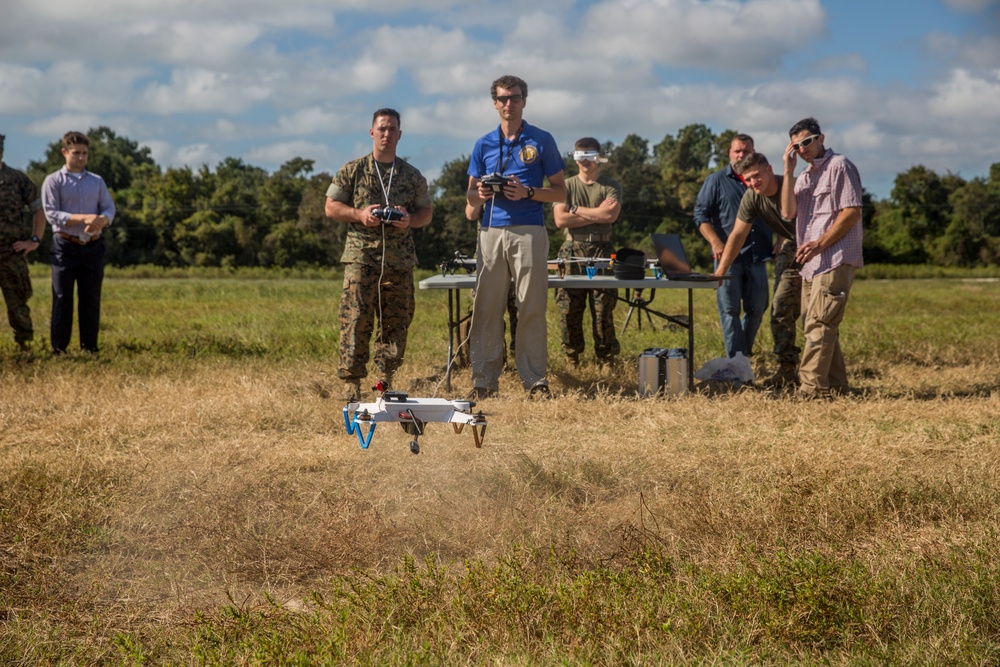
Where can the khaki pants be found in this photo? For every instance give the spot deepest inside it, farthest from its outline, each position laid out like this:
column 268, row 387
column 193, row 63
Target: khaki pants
column 520, row 253
column 824, row 299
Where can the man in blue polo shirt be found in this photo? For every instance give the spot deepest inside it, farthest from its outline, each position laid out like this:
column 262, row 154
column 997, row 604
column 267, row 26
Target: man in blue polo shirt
column 714, row 216
column 507, row 173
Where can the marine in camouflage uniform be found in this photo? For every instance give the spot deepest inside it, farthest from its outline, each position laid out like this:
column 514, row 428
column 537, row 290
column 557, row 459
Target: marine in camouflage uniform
column 591, row 207
column 378, row 258
column 17, row 192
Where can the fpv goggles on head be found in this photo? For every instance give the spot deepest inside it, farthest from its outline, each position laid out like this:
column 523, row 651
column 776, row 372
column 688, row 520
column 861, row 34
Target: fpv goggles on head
column 591, row 156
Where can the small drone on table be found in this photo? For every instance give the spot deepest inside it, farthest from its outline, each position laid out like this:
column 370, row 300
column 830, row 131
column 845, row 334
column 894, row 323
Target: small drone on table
column 458, row 263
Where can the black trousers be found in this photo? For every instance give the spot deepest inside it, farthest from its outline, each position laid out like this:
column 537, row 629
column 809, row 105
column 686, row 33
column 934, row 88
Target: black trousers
column 80, row 266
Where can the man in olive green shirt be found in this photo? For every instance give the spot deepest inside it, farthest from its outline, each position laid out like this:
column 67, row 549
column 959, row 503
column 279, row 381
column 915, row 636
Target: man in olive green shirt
column 593, row 203
column 762, row 201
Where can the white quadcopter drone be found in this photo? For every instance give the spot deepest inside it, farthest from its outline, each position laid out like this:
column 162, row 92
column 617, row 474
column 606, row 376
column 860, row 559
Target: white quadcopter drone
column 412, row 414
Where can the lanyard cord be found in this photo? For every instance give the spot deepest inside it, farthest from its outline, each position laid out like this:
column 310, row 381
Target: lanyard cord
column 392, row 171
column 385, row 193
column 510, row 153
column 501, row 163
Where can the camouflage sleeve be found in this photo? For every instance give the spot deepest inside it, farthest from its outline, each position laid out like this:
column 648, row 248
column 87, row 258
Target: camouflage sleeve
column 29, row 194
column 337, row 193
column 342, row 187
column 423, row 198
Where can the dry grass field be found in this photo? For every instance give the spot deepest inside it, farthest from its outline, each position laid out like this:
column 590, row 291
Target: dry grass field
column 191, row 497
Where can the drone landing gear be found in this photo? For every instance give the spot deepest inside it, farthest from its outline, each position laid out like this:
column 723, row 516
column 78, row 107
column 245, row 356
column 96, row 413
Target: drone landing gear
column 361, row 425
column 478, row 428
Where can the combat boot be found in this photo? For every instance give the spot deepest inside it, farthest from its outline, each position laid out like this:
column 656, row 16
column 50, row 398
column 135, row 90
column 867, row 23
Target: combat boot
column 787, row 377
column 352, row 391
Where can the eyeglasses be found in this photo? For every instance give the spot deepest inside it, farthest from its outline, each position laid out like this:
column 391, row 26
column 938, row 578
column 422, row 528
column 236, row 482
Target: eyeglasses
column 805, row 143
column 503, row 99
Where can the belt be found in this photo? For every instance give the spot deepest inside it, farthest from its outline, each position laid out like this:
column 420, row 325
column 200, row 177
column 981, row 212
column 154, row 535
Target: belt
column 76, row 239
column 590, row 238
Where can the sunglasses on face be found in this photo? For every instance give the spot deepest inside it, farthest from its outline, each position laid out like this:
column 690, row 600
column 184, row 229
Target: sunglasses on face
column 805, row 143
column 503, row 99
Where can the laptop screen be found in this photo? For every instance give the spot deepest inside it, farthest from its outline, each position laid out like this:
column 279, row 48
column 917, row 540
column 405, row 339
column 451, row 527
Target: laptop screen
column 670, row 254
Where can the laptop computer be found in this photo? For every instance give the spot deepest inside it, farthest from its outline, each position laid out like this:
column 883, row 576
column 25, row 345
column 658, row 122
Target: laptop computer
column 673, row 260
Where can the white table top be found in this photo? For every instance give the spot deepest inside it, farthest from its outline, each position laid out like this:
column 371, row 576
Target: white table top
column 468, row 281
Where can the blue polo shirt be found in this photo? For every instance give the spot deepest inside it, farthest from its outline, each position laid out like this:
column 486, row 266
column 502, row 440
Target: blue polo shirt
column 532, row 157
column 718, row 203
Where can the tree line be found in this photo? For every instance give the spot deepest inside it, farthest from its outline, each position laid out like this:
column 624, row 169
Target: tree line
column 240, row 215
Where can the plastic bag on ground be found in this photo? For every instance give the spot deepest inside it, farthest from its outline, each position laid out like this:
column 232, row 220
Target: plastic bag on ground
column 737, row 369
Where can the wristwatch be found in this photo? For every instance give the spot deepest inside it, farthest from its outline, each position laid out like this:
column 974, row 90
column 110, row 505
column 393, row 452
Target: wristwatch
column 35, row 239
column 531, row 192
column 572, row 209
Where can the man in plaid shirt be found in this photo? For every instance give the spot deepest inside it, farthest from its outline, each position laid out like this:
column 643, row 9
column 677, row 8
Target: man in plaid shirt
column 825, row 201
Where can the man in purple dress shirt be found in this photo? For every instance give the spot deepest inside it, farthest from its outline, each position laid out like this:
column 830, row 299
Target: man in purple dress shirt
column 825, row 201
column 78, row 206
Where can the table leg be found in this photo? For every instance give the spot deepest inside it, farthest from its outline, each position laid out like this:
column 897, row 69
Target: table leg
column 454, row 305
column 690, row 340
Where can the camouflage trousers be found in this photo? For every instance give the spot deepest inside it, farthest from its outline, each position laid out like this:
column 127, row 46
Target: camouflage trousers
column 786, row 306
column 573, row 302
column 364, row 301
column 15, row 281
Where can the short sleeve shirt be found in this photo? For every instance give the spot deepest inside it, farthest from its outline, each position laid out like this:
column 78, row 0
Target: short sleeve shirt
column 531, row 156
column 767, row 210
column 591, row 195
column 718, row 202
column 358, row 184
column 822, row 191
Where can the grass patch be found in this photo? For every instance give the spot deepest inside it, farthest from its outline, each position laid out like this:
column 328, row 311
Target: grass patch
column 190, row 496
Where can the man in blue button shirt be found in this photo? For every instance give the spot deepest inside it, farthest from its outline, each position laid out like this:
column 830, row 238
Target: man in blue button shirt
column 714, row 215
column 513, row 242
column 78, row 206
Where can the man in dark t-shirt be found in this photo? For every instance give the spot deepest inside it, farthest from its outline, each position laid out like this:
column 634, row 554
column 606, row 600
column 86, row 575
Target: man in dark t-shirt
column 762, row 201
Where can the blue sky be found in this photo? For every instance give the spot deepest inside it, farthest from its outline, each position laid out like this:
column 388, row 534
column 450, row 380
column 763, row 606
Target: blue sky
column 892, row 84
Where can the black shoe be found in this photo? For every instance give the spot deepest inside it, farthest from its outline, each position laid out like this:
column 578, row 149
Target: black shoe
column 479, row 393
column 540, row 391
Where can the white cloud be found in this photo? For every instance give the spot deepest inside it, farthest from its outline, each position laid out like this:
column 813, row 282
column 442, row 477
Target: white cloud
column 966, row 97
column 204, row 90
column 714, row 34
column 269, row 81
column 21, row 89
column 275, row 155
column 973, row 51
column 312, row 120
column 55, row 126
column 194, row 155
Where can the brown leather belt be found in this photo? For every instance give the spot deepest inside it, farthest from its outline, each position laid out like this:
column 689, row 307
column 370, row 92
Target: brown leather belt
column 590, row 238
column 76, row 239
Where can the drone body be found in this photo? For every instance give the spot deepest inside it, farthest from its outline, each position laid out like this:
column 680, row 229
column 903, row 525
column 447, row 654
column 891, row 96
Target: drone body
column 412, row 414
